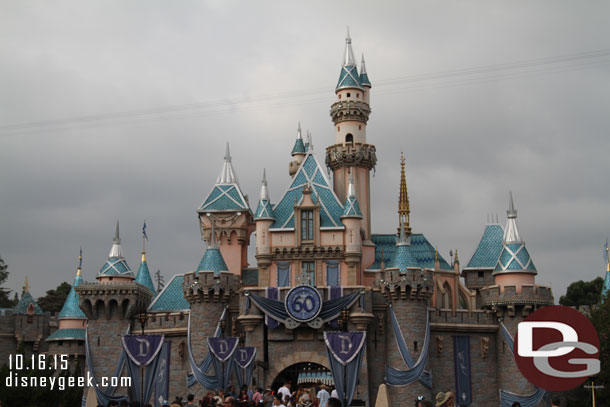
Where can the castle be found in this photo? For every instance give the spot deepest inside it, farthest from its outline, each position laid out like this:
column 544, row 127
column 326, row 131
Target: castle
column 318, row 233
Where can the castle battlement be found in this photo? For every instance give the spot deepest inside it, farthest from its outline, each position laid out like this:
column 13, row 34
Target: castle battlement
column 530, row 294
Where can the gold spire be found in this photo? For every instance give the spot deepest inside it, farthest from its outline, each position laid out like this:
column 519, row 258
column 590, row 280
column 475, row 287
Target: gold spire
column 143, row 257
column 607, row 258
column 80, row 263
column 455, row 259
column 404, row 210
column 26, row 287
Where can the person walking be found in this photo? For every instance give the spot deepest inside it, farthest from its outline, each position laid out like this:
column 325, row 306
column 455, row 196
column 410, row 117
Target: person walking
column 323, row 396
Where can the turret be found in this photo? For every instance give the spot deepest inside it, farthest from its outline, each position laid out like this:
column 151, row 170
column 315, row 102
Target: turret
column 31, row 323
column 69, row 338
column 227, row 208
column 264, row 218
column 350, row 152
column 515, row 266
column 298, row 152
column 115, row 270
column 352, row 218
column 364, row 81
column 143, row 276
column 212, row 260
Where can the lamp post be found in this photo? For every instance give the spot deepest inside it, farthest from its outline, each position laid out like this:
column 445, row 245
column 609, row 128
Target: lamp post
column 142, row 317
column 344, row 318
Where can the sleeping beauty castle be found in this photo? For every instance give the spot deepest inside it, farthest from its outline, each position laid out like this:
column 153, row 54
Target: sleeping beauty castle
column 383, row 317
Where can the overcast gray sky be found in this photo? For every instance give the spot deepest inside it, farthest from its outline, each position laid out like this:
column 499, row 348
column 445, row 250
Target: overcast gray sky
column 148, row 92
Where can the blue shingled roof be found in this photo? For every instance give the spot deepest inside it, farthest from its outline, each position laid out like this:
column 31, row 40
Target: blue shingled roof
column 143, row 277
column 331, row 208
column 67, row 334
column 348, row 78
column 351, row 208
column 420, row 248
column 71, row 310
column 514, row 257
column 489, row 248
column 606, row 286
column 212, row 260
column 264, row 210
column 24, row 303
column 115, row 266
column 171, row 298
column 299, row 147
column 224, row 197
column 364, row 79
column 404, row 258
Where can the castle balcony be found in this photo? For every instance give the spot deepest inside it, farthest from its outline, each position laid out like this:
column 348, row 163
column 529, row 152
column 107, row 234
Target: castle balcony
column 112, row 301
column 351, row 155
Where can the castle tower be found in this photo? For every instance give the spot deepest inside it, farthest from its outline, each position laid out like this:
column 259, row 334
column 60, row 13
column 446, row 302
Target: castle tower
column 351, row 153
column 70, row 336
column 111, row 306
column 227, row 208
column 298, row 152
column 264, row 219
column 513, row 297
column 31, row 323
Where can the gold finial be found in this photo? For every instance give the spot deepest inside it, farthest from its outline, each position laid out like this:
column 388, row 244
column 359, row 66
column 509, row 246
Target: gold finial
column 404, row 210
column 26, row 287
column 455, row 258
column 607, row 258
column 143, row 257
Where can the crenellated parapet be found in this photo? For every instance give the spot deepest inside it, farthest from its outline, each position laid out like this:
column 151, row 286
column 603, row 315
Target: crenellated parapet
column 411, row 284
column 112, row 301
column 348, row 155
column 530, row 297
column 206, row 287
column 349, row 110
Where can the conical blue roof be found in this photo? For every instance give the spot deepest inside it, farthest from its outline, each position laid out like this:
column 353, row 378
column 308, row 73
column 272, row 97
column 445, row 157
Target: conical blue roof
column 404, row 258
column 212, row 260
column 24, row 304
column 351, row 208
column 299, row 147
column 488, row 251
column 71, row 310
column 514, row 257
column 606, row 286
column 143, row 276
column 264, row 210
column 348, row 78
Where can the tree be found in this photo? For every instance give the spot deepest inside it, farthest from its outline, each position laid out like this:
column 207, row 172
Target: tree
column 54, row 299
column 583, row 293
column 5, row 301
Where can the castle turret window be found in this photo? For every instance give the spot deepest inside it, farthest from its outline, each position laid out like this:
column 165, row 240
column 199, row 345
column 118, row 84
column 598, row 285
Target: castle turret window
column 307, row 225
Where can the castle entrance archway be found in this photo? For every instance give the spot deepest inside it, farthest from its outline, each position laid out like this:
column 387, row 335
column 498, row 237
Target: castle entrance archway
column 306, row 374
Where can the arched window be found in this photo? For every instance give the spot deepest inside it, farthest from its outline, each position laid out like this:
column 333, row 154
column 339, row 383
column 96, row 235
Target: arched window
column 349, row 139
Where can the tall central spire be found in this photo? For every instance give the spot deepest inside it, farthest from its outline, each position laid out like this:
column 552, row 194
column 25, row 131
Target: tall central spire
column 116, row 250
column 227, row 174
column 511, row 233
column 404, row 210
column 348, row 59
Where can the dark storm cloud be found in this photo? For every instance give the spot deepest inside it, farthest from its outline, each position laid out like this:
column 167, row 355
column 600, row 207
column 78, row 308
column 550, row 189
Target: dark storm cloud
column 540, row 130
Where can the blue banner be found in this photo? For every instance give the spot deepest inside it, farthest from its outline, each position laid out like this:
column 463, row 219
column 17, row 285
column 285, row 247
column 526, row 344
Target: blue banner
column 142, row 349
column 162, row 377
column 461, row 351
column 345, row 353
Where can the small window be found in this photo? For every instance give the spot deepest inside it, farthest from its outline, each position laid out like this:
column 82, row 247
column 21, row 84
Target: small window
column 357, row 95
column 349, row 94
column 349, row 139
column 481, row 275
column 309, row 269
column 339, row 96
column 414, row 346
column 359, row 127
column 60, row 343
column 307, row 225
column 338, row 128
